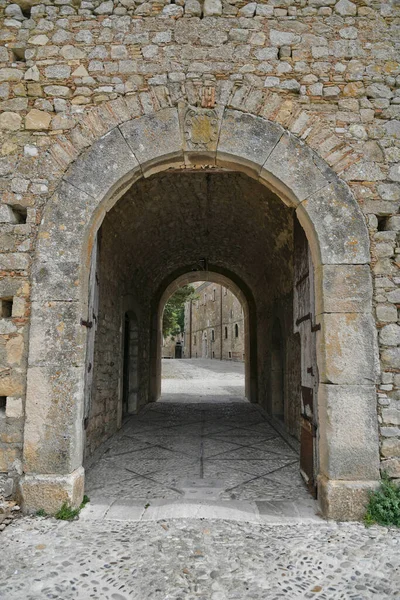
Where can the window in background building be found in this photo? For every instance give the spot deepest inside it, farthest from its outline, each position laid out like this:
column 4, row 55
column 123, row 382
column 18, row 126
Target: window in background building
column 236, row 330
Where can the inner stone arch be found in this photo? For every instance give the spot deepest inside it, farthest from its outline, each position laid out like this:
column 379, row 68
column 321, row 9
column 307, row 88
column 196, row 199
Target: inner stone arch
column 339, row 245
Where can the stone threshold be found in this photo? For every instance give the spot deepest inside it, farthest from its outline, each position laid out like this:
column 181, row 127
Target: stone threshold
column 272, row 512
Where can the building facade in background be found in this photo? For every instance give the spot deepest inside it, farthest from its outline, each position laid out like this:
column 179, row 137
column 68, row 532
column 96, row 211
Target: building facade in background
column 214, row 324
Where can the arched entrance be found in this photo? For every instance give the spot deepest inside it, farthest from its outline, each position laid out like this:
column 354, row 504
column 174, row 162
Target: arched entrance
column 336, row 232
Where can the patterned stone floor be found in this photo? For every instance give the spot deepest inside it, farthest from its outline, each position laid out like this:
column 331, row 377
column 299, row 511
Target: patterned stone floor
column 209, row 438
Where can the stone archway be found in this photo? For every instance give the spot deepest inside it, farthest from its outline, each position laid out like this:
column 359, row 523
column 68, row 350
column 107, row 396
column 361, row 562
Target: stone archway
column 339, row 242
column 239, row 289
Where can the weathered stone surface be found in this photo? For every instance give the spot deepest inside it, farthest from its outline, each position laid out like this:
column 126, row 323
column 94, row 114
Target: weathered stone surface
column 7, row 215
column 341, row 333
column 345, row 8
column 37, row 120
column 392, row 467
column 50, row 491
column 386, row 312
column 389, row 335
column 294, row 169
column 348, row 446
column 390, row 358
column 155, row 140
column 54, row 444
column 10, row 121
column 343, row 288
column 56, row 335
column 345, row 500
column 212, row 8
column 333, row 217
column 390, row 447
column 391, row 416
column 14, row 408
column 245, row 141
column 108, row 165
column 10, row 74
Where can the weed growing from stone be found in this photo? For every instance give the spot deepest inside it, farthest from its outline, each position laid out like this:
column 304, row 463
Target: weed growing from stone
column 384, row 504
column 66, row 513
column 41, row 513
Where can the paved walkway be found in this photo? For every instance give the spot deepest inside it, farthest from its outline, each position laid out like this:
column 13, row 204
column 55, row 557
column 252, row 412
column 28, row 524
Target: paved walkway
column 214, row 456
column 197, row 560
column 135, row 540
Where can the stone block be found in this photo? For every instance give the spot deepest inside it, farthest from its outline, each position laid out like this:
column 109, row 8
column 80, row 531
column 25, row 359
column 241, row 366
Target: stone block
column 49, row 492
column 14, row 408
column 295, row 170
column 106, row 169
column 390, row 447
column 335, row 226
column 344, row 500
column 390, row 358
column 343, row 289
column 56, row 334
column 391, row 466
column 386, row 313
column 53, row 440
column 347, row 349
column 391, row 416
column 7, row 215
column 155, row 140
column 246, row 141
column 10, row 121
column 389, row 335
column 37, row 120
column 348, row 432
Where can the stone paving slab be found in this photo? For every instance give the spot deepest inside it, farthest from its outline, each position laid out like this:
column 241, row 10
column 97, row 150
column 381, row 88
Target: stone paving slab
column 193, row 559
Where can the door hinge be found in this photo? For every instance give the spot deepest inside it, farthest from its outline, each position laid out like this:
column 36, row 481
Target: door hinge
column 88, row 324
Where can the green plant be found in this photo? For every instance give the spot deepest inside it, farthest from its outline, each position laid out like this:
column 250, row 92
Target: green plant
column 384, row 504
column 41, row 513
column 66, row 513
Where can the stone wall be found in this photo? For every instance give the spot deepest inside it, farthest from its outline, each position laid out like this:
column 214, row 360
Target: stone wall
column 327, row 71
column 215, row 313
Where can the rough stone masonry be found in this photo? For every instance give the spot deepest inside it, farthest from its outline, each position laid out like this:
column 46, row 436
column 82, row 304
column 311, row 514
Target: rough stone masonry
column 328, row 71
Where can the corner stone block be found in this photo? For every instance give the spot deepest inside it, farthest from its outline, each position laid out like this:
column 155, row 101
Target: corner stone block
column 61, row 243
column 348, row 432
column 156, row 140
column 343, row 289
column 53, row 437
column 344, row 500
column 335, row 226
column 49, row 492
column 56, row 335
column 246, row 141
column 347, row 349
column 64, row 225
column 107, row 166
column 295, row 170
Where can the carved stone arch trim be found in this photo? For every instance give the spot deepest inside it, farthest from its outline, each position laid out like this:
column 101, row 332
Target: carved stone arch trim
column 336, row 231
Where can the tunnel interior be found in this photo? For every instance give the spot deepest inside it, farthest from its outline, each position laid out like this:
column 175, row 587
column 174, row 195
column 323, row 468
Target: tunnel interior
column 183, row 226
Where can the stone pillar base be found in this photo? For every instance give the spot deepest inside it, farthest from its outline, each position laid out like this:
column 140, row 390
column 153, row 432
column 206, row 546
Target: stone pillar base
column 49, row 492
column 344, row 500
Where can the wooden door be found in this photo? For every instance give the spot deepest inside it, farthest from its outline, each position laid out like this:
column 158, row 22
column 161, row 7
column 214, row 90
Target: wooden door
column 91, row 324
column 304, row 324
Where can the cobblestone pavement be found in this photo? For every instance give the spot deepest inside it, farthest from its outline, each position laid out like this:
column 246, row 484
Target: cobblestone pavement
column 197, row 560
column 221, row 447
